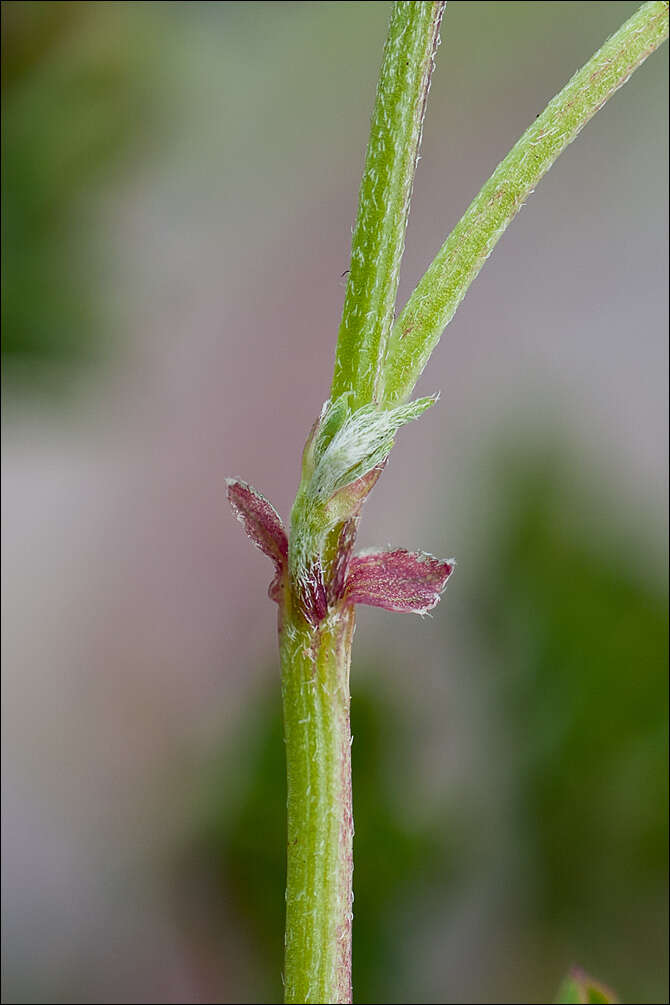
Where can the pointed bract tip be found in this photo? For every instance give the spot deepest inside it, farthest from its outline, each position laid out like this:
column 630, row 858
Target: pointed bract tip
column 262, row 525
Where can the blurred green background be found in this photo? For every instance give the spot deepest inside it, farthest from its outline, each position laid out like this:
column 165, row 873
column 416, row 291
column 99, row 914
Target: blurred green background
column 179, row 182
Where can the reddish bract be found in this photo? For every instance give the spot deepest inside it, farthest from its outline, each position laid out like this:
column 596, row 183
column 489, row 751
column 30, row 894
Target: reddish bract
column 399, row 580
column 263, row 526
column 405, row 581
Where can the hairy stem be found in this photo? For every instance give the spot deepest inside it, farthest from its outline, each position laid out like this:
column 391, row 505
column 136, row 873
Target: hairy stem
column 379, row 364
column 440, row 291
column 379, row 234
column 315, row 689
column 315, row 660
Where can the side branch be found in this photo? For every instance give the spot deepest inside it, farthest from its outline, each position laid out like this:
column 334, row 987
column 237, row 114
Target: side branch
column 459, row 260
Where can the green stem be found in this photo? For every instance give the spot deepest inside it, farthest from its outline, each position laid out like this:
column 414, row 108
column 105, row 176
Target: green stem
column 315, row 661
column 436, row 298
column 375, row 366
column 379, row 234
column 315, row 690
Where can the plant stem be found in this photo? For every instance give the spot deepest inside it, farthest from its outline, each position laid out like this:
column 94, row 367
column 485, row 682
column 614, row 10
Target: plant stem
column 315, row 659
column 383, row 206
column 315, row 690
column 375, row 364
column 440, row 291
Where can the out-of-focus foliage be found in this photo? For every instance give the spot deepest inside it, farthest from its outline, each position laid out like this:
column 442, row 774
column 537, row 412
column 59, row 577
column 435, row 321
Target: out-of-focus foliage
column 578, row 633
column 71, row 105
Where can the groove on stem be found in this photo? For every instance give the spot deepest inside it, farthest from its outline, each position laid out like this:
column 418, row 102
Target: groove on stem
column 315, row 691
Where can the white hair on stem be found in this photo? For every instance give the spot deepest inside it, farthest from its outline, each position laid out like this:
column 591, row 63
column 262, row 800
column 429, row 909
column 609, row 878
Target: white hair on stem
column 345, row 447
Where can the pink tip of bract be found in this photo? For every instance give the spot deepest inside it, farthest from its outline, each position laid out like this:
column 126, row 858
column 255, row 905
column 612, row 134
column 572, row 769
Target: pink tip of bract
column 262, row 525
column 404, row 581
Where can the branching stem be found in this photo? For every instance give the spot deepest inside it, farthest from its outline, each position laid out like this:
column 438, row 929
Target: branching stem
column 317, row 581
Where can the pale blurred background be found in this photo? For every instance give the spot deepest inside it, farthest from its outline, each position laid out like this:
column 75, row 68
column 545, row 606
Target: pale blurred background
column 180, row 180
